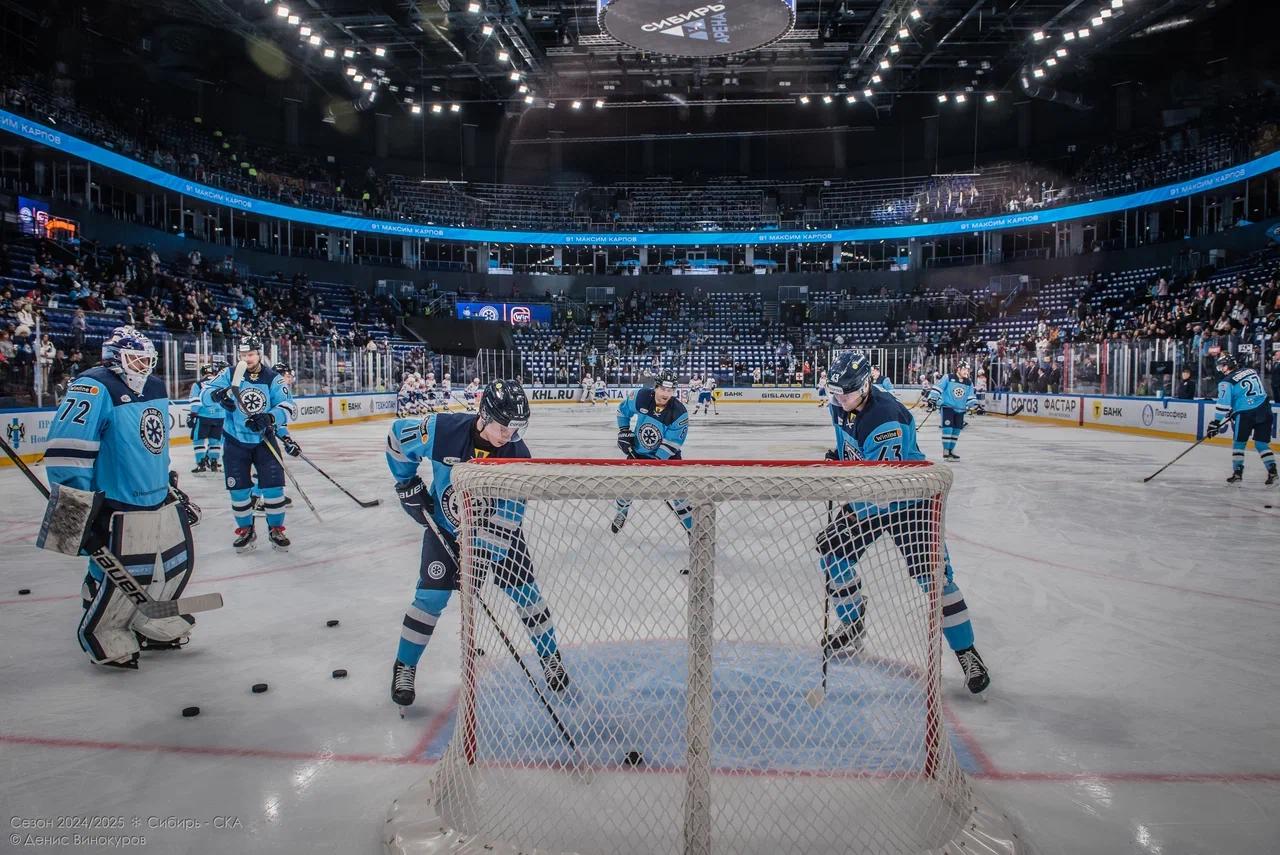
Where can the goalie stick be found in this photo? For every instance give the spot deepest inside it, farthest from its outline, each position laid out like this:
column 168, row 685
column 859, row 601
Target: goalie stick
column 269, row 440
column 119, row 576
column 364, row 503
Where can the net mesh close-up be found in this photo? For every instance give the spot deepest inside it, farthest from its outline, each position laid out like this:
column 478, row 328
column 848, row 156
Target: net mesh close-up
column 705, row 704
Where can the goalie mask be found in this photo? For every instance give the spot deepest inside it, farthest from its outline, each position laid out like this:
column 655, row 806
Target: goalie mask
column 131, row 356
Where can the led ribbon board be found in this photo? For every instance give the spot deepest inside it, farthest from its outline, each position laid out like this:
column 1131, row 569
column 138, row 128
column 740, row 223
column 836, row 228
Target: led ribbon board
column 696, row 29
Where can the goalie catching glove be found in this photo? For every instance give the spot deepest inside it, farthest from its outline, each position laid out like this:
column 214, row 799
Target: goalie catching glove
column 416, row 500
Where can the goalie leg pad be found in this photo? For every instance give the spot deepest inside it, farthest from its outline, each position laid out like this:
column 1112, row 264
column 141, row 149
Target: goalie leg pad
column 103, row 632
column 156, row 547
column 68, row 519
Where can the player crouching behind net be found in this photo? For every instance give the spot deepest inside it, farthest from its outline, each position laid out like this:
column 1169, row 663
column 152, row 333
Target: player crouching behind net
column 444, row 440
column 661, row 427
column 871, row 424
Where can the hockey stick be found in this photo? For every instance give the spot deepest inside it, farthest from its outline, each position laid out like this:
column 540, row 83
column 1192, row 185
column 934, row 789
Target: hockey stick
column 370, row 503
column 506, row 639
column 926, row 418
column 815, row 696
column 269, row 439
column 119, row 576
column 1185, row 452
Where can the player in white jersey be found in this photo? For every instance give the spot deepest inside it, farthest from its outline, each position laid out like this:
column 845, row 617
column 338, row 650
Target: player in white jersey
column 471, row 393
column 602, row 392
column 585, row 397
column 446, row 391
column 822, row 388
column 709, row 392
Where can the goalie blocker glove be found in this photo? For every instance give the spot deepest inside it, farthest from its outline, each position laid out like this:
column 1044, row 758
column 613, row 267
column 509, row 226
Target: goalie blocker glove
column 416, row 499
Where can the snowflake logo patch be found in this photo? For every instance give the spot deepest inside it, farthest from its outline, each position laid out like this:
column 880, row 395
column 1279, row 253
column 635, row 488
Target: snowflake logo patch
column 252, row 401
column 151, row 429
column 649, row 436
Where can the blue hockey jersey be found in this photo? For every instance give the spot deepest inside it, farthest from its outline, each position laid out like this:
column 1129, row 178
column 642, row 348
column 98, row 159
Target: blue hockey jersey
column 444, row 440
column 660, row 432
column 884, row 430
column 106, row 437
column 1239, row 392
column 199, row 408
column 260, row 392
column 954, row 393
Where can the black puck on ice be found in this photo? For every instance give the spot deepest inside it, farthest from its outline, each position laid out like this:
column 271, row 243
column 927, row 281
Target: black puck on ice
column 339, row 673
column 259, row 688
column 1265, row 506
column 331, row 623
column 190, row 712
column 22, row 592
column 634, row 758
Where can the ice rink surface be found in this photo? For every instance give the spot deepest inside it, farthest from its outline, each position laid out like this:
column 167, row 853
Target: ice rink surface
column 1131, row 630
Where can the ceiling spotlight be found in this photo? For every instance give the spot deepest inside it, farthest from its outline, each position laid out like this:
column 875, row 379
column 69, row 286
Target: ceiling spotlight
column 884, row 63
column 599, row 103
column 1061, row 52
column 455, row 108
column 348, row 53
column 960, row 98
column 577, row 105
column 357, row 78
column 330, row 53
column 503, row 56
column 315, row 41
column 282, row 11
column 1117, row 4
column 295, row 20
column 473, row 7
column 850, row 98
column 1051, row 62
column 1096, row 21
column 942, row 97
column 379, row 51
column 1038, row 36
column 867, row 93
column 523, row 89
column 915, row 15
column 1083, row 32
column 894, row 49
column 487, row 29
column 826, row 99
column 904, row 33
column 804, row 99
column 436, row 108
column 351, row 71
column 875, row 78
column 990, row 98
column 1069, row 36
column 1038, row 73
column 1105, row 13
column 306, row 31
column 416, row 109
column 515, row 75
column 368, row 85
column 528, row 99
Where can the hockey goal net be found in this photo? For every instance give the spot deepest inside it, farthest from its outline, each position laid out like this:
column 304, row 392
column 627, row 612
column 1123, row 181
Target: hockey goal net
column 698, row 717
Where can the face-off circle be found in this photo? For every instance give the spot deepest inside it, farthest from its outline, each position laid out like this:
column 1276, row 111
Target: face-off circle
column 696, row 29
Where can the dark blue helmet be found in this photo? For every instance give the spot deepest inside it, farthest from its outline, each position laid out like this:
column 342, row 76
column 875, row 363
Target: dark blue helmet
column 851, row 372
column 1227, row 362
column 505, row 402
column 666, row 379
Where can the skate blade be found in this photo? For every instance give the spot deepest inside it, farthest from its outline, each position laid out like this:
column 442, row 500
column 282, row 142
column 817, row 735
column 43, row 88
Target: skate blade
column 278, row 548
column 245, row 550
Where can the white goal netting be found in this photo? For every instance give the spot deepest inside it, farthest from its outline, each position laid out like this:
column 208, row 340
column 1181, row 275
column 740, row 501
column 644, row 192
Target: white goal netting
column 699, row 715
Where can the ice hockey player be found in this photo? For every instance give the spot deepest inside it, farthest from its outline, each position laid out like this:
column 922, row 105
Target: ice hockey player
column 446, row 392
column 585, row 395
column 879, row 380
column 954, row 393
column 706, row 397
column 695, row 391
column 653, row 425
column 470, row 394
column 440, row 441
column 602, row 391
column 870, row 424
column 1243, row 403
column 287, row 443
column 428, row 388
column 110, row 484
column 822, row 389
column 255, row 410
column 206, row 438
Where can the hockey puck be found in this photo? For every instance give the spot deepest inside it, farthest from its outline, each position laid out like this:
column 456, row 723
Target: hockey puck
column 339, row 673
column 22, row 592
column 331, row 623
column 190, row 712
column 259, row 688
column 1265, row 506
column 480, row 650
column 634, row 758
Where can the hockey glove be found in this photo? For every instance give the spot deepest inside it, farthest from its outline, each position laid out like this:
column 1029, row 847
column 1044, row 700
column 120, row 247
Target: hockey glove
column 260, row 422
column 626, row 441
column 190, row 508
column 832, row 454
column 223, row 397
column 1215, row 427
column 931, row 405
column 416, row 499
column 191, row 420
column 291, row 446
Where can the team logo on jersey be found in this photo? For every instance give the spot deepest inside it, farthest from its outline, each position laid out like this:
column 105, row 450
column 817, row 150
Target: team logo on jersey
column 449, row 507
column 435, row 570
column 851, row 452
column 252, row 401
column 151, row 428
column 649, row 436
column 957, row 392
column 231, row 483
column 16, row 432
